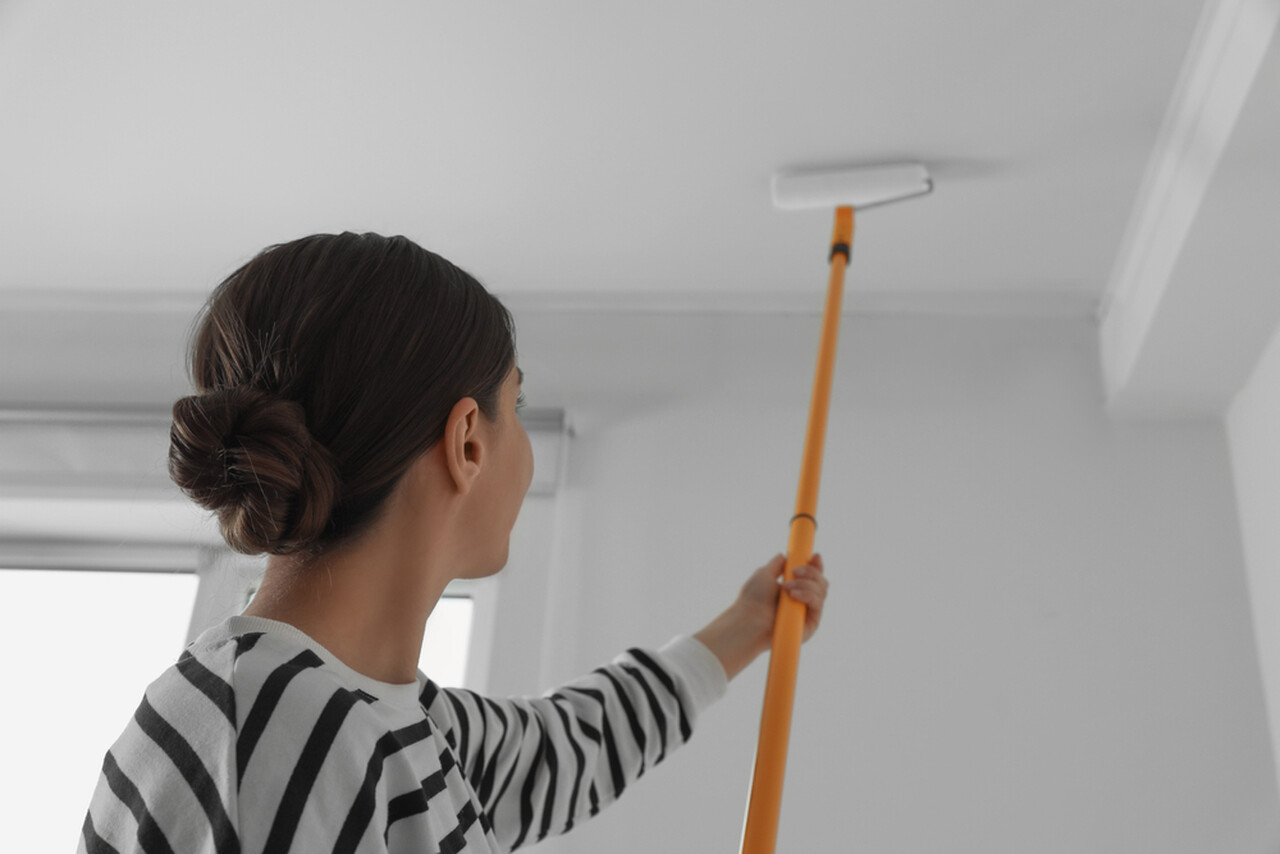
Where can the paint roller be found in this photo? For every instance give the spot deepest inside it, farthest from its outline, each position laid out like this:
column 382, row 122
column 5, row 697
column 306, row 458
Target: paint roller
column 846, row 190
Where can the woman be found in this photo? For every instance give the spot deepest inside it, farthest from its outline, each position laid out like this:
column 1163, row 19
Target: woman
column 356, row 421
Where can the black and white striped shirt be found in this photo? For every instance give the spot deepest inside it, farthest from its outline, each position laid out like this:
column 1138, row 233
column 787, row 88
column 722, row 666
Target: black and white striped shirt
column 259, row 739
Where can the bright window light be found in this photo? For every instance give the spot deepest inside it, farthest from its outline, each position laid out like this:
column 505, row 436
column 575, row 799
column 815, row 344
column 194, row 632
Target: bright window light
column 446, row 641
column 79, row 649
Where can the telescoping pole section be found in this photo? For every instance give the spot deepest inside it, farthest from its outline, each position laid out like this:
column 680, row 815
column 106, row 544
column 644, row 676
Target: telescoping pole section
column 760, row 832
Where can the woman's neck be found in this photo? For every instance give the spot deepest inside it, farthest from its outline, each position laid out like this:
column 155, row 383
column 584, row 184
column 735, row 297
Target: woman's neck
column 369, row 610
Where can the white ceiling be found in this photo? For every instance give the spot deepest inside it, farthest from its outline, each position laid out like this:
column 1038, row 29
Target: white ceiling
column 1111, row 161
column 595, row 149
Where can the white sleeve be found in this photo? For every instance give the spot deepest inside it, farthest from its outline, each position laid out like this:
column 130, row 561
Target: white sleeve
column 540, row 765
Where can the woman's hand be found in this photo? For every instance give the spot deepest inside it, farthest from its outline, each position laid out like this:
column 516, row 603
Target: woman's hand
column 745, row 629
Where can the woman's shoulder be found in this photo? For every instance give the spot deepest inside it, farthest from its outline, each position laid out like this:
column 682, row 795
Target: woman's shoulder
column 272, row 667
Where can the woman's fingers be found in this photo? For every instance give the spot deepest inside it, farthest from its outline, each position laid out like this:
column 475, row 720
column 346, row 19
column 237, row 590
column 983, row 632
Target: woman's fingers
column 809, row 587
column 809, row 592
column 811, row 573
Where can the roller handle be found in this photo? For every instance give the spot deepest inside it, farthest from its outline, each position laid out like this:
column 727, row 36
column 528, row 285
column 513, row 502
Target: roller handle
column 760, row 830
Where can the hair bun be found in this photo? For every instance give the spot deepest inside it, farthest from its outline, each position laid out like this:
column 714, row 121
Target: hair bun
column 249, row 457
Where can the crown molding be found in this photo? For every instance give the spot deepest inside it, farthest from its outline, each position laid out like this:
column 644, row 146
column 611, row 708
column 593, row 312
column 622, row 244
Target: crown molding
column 1229, row 46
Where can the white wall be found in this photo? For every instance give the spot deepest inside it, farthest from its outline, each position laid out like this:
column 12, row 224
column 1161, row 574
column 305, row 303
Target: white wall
column 1253, row 423
column 1038, row 635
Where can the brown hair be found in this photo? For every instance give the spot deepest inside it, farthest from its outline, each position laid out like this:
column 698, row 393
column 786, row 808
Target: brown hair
column 323, row 367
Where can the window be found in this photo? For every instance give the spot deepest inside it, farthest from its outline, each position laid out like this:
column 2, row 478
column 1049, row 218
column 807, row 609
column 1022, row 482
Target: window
column 446, row 642
column 80, row 648
column 105, row 570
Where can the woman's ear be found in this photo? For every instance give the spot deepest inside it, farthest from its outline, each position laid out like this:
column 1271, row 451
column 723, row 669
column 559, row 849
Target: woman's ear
column 461, row 444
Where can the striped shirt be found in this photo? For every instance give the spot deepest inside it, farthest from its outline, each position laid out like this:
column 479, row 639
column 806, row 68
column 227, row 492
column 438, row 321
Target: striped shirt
column 259, row 739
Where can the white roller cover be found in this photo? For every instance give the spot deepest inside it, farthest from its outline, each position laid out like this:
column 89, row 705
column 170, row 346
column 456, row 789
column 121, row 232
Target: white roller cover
column 861, row 188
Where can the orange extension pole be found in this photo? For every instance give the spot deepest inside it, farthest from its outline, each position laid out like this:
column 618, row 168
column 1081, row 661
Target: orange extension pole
column 760, row 832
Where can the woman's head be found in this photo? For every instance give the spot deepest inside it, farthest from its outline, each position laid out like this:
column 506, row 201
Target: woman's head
column 323, row 368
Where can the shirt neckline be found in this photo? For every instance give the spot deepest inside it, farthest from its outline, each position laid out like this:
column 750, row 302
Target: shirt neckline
column 401, row 694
